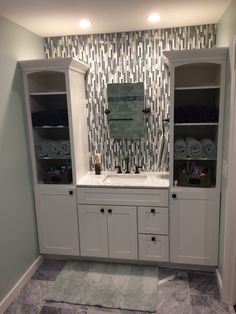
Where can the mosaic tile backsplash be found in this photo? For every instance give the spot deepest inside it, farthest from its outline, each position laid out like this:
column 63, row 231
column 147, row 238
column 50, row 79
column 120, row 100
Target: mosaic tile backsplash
column 128, row 57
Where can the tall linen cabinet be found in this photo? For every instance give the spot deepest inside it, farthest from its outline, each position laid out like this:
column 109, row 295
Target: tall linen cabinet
column 57, row 129
column 197, row 83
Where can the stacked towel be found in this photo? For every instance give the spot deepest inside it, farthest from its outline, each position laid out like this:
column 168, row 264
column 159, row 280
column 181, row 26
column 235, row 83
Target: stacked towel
column 194, row 148
column 41, row 149
column 63, row 148
column 180, row 148
column 209, row 148
column 52, row 149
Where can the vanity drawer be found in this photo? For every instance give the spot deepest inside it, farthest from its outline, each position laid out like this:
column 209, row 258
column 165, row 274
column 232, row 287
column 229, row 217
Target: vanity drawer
column 153, row 248
column 123, row 196
column 153, row 220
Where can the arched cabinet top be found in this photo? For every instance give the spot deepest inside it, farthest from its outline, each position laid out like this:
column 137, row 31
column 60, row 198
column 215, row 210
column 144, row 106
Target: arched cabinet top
column 58, row 65
column 180, row 57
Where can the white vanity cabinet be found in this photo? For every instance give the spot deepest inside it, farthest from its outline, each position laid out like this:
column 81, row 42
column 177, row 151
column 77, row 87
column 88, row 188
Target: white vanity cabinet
column 194, row 223
column 57, row 221
column 124, row 223
column 108, row 231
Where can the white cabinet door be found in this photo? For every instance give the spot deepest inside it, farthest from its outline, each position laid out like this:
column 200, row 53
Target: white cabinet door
column 122, row 230
column 93, row 230
column 57, row 222
column 194, row 227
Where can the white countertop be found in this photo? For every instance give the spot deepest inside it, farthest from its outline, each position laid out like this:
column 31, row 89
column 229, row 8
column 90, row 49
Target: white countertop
column 112, row 179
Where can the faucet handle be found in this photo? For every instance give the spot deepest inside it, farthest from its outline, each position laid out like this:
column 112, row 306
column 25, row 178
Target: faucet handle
column 137, row 169
column 119, row 169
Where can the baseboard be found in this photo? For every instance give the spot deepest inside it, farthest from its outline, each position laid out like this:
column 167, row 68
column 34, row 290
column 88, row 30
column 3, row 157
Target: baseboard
column 14, row 292
column 218, row 280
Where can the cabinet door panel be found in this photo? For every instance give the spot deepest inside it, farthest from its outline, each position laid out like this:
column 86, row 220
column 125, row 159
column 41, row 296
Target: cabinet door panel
column 153, row 248
column 194, row 227
column 57, row 221
column 93, row 231
column 122, row 230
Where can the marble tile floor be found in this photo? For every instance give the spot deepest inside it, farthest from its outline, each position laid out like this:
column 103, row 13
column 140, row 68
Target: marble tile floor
column 179, row 292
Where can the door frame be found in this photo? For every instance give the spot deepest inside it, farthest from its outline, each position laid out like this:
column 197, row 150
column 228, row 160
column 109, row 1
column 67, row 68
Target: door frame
column 228, row 291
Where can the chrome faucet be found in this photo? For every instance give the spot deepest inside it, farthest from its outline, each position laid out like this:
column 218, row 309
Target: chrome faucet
column 127, row 164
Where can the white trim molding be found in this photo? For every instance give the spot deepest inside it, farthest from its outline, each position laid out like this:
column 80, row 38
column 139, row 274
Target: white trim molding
column 229, row 261
column 14, row 292
column 218, row 280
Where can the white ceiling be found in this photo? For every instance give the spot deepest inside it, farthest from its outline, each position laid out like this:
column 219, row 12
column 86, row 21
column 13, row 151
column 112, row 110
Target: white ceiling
column 61, row 17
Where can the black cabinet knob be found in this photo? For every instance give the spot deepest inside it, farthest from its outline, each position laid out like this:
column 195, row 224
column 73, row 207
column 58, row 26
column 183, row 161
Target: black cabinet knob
column 109, row 211
column 153, row 239
column 174, row 196
column 102, row 210
column 153, row 211
column 71, row 192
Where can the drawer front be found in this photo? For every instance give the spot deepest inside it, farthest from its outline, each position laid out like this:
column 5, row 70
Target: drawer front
column 153, row 248
column 153, row 220
column 121, row 196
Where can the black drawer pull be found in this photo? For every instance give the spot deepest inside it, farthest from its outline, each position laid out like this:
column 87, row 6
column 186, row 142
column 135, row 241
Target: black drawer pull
column 109, row 211
column 102, row 210
column 153, row 239
column 71, row 192
column 174, row 196
column 153, row 211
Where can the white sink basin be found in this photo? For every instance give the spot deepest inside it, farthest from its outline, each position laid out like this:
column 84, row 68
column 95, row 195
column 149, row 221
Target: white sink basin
column 126, row 179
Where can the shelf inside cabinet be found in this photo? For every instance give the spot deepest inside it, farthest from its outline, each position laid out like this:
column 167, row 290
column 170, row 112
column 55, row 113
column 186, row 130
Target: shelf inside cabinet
column 197, row 124
column 197, row 87
column 51, row 127
column 46, row 82
column 48, row 93
column 188, row 158
column 54, row 158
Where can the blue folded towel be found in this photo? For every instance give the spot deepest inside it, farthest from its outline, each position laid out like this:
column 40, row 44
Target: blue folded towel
column 63, row 148
column 52, row 150
column 41, row 149
column 180, row 148
column 209, row 148
column 194, row 148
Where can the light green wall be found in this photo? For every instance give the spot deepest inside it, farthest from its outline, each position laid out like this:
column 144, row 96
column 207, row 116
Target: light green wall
column 225, row 34
column 18, row 240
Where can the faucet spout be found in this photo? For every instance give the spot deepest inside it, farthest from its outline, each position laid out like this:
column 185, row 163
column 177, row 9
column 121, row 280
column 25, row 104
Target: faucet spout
column 127, row 164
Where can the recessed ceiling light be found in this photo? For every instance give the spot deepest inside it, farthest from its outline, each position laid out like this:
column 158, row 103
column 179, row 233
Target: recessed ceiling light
column 154, row 17
column 85, row 23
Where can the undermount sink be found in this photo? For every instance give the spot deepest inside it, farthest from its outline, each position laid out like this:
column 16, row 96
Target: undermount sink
column 125, row 179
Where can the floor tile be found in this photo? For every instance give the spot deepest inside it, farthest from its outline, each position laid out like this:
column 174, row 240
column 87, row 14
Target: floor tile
column 204, row 304
column 49, row 270
column 203, row 283
column 63, row 308
column 34, row 292
column 17, row 308
column 173, row 296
